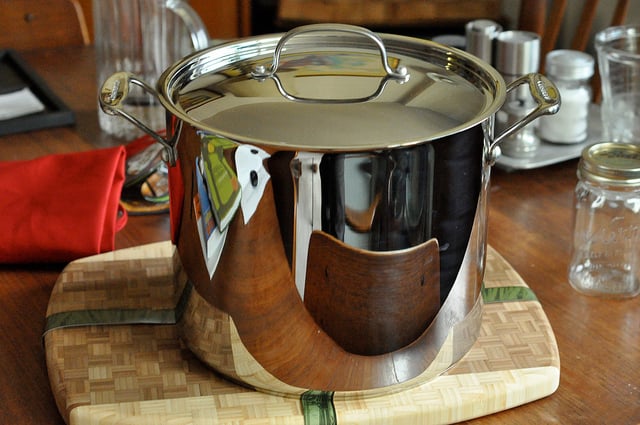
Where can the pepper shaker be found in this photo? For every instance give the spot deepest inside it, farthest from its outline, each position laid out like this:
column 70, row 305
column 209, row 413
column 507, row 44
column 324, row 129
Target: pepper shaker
column 517, row 54
column 480, row 36
column 606, row 259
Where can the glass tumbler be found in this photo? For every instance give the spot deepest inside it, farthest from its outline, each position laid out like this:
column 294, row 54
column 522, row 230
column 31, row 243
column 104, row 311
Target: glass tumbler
column 606, row 254
column 618, row 50
column 143, row 37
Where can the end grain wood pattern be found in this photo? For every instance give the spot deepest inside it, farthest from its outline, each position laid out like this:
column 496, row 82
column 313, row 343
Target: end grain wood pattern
column 144, row 374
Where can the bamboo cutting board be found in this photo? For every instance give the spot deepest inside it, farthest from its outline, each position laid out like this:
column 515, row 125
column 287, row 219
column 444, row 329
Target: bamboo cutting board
column 114, row 356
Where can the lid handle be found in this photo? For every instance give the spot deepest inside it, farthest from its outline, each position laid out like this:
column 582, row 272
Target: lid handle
column 260, row 72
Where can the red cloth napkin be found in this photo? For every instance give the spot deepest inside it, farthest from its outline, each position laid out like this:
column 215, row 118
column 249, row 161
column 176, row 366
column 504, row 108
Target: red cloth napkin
column 61, row 207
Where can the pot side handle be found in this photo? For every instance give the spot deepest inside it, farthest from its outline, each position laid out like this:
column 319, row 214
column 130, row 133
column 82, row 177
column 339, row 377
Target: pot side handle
column 547, row 97
column 114, row 92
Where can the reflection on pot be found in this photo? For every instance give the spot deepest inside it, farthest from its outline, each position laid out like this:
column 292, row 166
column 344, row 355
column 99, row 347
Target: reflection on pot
column 358, row 235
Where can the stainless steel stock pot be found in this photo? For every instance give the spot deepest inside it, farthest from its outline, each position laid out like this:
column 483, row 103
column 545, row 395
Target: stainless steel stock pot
column 329, row 197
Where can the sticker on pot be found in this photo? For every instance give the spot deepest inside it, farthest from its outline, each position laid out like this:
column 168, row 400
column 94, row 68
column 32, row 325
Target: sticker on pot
column 253, row 178
column 211, row 240
column 223, row 187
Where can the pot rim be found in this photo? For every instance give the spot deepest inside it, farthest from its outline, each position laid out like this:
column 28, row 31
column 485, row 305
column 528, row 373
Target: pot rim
column 205, row 63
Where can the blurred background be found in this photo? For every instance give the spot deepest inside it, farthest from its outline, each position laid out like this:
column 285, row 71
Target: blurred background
column 423, row 18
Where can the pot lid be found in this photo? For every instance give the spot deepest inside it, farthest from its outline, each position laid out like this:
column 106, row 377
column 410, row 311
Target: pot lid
column 332, row 88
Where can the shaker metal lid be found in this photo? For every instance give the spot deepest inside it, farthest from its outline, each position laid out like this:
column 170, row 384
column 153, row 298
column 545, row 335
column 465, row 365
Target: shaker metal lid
column 330, row 91
column 616, row 164
column 517, row 52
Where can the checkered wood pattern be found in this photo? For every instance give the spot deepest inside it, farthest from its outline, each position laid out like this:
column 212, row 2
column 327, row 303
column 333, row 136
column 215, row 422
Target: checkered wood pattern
column 144, row 374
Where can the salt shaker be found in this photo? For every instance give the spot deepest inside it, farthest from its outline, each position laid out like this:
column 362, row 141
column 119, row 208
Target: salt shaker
column 571, row 71
column 606, row 244
column 517, row 54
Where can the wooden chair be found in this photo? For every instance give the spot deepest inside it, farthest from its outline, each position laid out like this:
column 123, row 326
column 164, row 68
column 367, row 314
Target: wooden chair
column 33, row 24
column 385, row 13
column 538, row 17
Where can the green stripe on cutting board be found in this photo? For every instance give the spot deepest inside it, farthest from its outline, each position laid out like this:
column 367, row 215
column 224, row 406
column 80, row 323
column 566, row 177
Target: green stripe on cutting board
column 317, row 408
column 109, row 317
column 507, row 294
column 120, row 316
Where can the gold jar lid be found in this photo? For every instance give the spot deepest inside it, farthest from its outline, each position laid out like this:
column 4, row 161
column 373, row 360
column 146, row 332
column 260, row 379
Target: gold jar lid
column 616, row 164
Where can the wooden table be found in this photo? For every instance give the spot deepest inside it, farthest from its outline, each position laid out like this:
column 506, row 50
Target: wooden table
column 529, row 224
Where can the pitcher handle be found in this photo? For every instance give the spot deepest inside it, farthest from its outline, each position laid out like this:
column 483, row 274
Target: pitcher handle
column 197, row 30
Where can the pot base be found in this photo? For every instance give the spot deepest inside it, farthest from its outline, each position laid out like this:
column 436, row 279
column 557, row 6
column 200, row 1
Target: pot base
column 139, row 371
column 255, row 296
column 214, row 338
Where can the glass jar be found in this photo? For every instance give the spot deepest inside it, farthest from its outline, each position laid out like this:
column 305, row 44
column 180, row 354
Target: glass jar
column 571, row 71
column 606, row 255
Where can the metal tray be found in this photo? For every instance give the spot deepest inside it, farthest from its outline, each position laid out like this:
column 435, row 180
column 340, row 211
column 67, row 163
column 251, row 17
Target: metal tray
column 553, row 153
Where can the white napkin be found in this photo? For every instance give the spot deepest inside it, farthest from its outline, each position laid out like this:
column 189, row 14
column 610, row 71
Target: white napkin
column 19, row 103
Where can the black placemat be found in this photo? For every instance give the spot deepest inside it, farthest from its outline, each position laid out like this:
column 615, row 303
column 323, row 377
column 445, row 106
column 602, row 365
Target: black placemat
column 16, row 74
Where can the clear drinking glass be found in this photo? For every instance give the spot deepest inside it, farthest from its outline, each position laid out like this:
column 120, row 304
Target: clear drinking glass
column 143, row 37
column 618, row 50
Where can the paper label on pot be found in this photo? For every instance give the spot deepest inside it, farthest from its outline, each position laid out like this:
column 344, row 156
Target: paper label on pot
column 201, row 202
column 223, row 187
column 253, row 178
column 211, row 240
